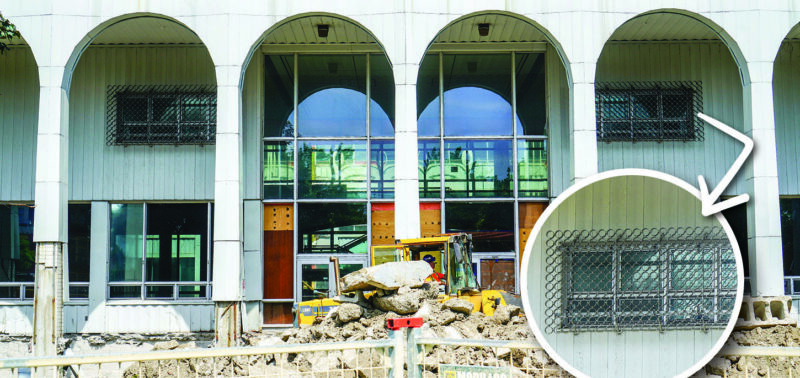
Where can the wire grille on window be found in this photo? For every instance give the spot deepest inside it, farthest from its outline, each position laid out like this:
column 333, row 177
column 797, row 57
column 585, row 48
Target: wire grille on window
column 636, row 279
column 647, row 111
column 161, row 115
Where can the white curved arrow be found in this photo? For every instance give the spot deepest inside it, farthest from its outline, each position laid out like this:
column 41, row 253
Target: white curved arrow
column 708, row 199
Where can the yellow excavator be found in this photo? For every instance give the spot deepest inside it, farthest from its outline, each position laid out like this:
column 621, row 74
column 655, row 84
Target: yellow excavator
column 449, row 256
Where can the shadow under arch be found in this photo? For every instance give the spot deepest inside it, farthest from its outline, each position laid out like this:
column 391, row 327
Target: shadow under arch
column 98, row 30
column 548, row 36
column 721, row 33
column 254, row 47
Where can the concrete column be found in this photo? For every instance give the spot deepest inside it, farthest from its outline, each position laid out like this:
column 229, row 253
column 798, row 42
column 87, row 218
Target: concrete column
column 583, row 126
column 227, row 263
column 406, row 178
column 50, row 219
column 763, row 210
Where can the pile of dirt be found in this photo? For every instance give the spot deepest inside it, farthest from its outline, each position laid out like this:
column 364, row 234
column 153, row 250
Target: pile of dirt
column 774, row 366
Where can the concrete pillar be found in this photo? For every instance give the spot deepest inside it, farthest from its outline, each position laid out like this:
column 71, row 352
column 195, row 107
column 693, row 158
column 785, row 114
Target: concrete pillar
column 583, row 130
column 763, row 210
column 227, row 264
column 406, row 178
column 50, row 219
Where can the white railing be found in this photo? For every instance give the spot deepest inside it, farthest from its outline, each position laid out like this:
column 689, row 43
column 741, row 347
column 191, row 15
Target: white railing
column 360, row 358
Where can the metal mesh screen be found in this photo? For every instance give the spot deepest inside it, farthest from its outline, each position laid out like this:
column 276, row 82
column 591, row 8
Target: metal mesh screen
column 161, row 115
column 647, row 111
column 626, row 279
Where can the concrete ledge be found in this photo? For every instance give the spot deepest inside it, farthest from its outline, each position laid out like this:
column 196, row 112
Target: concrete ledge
column 765, row 312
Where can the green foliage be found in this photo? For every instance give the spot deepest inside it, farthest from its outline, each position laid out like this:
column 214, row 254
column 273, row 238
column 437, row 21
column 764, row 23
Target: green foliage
column 7, row 32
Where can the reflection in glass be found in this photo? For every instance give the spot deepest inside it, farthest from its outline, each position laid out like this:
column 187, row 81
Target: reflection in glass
column 78, row 251
column 428, row 97
column 531, row 102
column 17, row 250
column 382, row 169
column 532, row 168
column 331, row 90
column 315, row 281
column 332, row 227
column 381, row 111
column 177, row 242
column 478, row 168
column 332, row 169
column 429, row 161
column 279, row 96
column 125, row 244
column 491, row 224
column 477, row 94
column 278, row 170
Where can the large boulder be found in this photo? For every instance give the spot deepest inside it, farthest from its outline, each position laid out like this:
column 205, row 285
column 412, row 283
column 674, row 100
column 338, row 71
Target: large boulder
column 403, row 302
column 388, row 276
column 504, row 314
column 348, row 312
column 459, row 305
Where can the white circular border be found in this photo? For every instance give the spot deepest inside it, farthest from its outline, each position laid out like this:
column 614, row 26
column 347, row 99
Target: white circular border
column 537, row 228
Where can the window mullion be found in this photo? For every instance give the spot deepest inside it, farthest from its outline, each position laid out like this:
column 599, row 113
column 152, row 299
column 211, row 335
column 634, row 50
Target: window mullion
column 144, row 250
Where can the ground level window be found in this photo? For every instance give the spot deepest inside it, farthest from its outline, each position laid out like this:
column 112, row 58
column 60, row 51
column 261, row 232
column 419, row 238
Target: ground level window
column 640, row 279
column 160, row 251
column 17, row 252
column 790, row 235
column 78, row 249
column 339, row 228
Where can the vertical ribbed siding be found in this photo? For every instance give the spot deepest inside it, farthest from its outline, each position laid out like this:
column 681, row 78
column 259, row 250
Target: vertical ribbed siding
column 708, row 62
column 19, row 114
column 253, row 118
column 558, row 123
column 101, row 172
column 786, row 92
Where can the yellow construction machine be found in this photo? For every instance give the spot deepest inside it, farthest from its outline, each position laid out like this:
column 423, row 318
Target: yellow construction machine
column 449, row 256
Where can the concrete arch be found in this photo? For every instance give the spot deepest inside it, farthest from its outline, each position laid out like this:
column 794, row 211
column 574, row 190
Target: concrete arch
column 549, row 37
column 719, row 31
column 98, row 30
column 288, row 20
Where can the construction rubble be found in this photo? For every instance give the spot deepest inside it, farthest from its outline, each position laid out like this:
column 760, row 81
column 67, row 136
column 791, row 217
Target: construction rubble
column 398, row 291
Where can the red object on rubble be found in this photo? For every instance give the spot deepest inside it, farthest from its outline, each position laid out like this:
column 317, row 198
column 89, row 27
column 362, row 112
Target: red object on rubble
column 397, row 323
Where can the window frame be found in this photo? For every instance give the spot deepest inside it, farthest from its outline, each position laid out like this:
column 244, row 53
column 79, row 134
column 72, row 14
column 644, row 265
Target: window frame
column 75, row 284
column 691, row 131
column 24, row 286
column 144, row 283
column 118, row 129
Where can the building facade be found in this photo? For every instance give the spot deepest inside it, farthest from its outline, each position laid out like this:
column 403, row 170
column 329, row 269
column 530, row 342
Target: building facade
column 184, row 167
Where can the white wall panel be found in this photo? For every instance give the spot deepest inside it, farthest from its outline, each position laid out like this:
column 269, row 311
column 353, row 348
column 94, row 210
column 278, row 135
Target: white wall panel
column 75, row 317
column 786, row 94
column 156, row 318
column 16, row 319
column 707, row 62
column 164, row 172
column 19, row 107
column 252, row 120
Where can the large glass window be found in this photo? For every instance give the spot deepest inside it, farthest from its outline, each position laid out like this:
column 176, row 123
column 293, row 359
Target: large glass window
column 332, row 228
column 790, row 235
column 17, row 252
column 332, row 169
column 482, row 129
column 78, row 244
column 170, row 243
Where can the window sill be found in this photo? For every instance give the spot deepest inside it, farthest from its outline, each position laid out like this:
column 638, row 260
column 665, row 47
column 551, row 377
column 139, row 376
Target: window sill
column 12, row 302
column 157, row 302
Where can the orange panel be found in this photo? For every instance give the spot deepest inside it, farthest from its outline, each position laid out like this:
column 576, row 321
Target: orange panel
column 382, row 224
column 497, row 275
column 529, row 213
column 278, row 217
column 278, row 313
column 430, row 219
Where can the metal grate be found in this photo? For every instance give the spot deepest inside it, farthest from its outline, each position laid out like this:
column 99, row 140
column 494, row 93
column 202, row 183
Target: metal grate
column 648, row 111
column 161, row 115
column 625, row 279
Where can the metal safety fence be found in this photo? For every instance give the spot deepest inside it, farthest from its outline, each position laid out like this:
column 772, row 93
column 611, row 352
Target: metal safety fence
column 370, row 359
column 454, row 357
column 624, row 279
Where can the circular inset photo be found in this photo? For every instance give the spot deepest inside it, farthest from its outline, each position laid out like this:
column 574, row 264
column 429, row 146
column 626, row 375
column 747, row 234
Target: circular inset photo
column 624, row 277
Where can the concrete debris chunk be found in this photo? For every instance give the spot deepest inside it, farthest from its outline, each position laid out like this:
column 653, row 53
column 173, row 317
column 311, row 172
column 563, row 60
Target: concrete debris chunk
column 405, row 303
column 348, row 312
column 165, row 345
column 504, row 314
column 388, row 276
column 459, row 305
